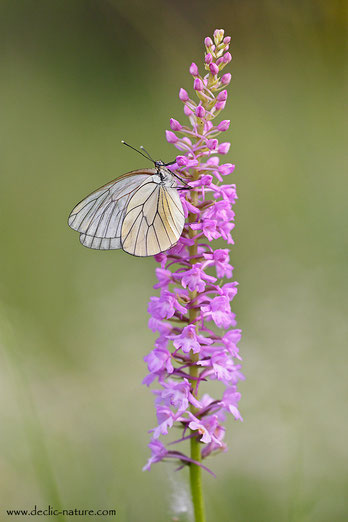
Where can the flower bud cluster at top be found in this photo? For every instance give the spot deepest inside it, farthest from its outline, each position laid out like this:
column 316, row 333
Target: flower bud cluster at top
column 198, row 338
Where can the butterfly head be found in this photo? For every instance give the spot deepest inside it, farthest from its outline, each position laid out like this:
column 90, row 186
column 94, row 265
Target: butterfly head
column 159, row 164
column 162, row 171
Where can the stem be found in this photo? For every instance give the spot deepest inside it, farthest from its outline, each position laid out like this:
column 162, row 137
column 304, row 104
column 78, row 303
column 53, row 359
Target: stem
column 195, row 471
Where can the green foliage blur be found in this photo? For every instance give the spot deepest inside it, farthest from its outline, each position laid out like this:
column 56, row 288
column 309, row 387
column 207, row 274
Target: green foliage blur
column 76, row 78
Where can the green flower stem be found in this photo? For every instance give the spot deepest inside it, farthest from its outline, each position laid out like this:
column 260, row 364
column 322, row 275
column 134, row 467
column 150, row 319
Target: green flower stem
column 195, row 471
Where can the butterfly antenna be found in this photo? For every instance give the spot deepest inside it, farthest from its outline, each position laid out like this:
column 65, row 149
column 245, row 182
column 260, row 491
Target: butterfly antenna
column 143, row 148
column 136, row 150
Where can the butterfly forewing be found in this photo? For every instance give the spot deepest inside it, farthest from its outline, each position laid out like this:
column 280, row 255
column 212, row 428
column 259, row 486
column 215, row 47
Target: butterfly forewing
column 100, row 214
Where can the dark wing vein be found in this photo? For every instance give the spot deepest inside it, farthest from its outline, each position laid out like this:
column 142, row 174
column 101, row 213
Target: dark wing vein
column 179, row 209
column 90, row 213
column 154, row 229
column 171, row 215
column 74, row 215
column 129, row 231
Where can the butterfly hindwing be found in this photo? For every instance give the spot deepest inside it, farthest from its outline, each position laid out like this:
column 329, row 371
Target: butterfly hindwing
column 153, row 221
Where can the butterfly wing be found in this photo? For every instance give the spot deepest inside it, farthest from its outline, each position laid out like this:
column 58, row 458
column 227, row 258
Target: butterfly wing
column 99, row 216
column 154, row 220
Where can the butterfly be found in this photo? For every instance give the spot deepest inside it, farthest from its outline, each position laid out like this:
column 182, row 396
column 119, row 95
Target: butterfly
column 139, row 212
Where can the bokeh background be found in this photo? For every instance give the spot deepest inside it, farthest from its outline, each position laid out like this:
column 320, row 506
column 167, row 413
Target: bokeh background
column 76, row 78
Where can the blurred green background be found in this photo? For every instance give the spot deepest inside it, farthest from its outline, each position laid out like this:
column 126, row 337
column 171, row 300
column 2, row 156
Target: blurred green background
column 76, row 78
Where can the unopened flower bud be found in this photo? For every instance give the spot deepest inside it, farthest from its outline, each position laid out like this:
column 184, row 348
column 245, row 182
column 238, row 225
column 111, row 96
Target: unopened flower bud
column 227, row 57
column 208, row 58
column 214, row 69
column 208, row 42
column 227, row 40
column 194, row 69
column 218, row 36
column 182, row 161
column 220, row 105
column 200, row 111
column 223, row 125
column 175, row 125
column 212, row 144
column 170, row 136
column 226, row 78
column 222, row 96
column 183, row 95
column 224, row 148
column 198, row 84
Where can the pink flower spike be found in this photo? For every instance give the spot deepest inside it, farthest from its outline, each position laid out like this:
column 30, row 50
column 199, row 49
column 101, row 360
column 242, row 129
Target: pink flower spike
column 183, row 95
column 171, row 137
column 193, row 316
column 175, row 125
column 227, row 57
column 194, row 69
column 226, row 78
column 224, row 125
column 223, row 148
column 208, row 58
column 200, row 112
column 222, row 96
column 214, row 69
column 198, row 84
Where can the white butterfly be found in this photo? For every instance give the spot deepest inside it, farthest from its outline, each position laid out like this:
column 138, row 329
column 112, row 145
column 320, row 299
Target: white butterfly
column 140, row 212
